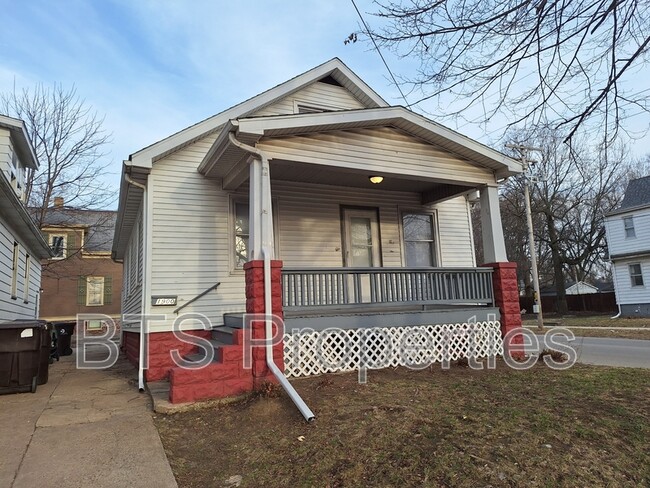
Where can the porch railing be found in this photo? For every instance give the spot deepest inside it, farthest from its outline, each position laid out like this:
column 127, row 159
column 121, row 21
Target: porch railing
column 324, row 287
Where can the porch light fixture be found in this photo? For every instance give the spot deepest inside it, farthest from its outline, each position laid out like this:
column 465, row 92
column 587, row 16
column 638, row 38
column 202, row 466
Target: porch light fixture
column 376, row 179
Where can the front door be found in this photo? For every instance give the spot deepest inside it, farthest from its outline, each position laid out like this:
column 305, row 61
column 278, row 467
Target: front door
column 361, row 246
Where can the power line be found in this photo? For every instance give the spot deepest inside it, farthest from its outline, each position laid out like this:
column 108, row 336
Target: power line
column 408, row 105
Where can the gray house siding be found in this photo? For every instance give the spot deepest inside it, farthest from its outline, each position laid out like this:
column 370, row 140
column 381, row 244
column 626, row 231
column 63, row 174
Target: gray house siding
column 26, row 301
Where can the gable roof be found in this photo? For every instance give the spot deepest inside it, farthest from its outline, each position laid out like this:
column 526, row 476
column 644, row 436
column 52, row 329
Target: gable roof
column 637, row 195
column 254, row 128
column 334, row 68
column 17, row 217
column 21, row 140
column 99, row 225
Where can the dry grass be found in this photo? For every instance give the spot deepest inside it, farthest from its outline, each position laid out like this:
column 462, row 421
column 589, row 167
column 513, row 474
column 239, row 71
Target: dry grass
column 588, row 426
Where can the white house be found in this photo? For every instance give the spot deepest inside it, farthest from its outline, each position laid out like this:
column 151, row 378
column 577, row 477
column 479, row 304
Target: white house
column 628, row 239
column 21, row 244
column 581, row 288
column 365, row 205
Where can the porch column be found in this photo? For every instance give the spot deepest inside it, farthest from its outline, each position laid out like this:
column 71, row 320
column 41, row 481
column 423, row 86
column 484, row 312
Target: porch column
column 504, row 277
column 261, row 237
column 494, row 247
column 260, row 211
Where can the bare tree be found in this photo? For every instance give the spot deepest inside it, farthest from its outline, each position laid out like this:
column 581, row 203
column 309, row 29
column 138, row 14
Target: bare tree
column 577, row 186
column 69, row 141
column 571, row 61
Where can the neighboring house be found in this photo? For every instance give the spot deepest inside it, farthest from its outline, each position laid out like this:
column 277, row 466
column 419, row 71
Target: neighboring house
column 21, row 244
column 581, row 288
column 365, row 204
column 80, row 277
column 628, row 241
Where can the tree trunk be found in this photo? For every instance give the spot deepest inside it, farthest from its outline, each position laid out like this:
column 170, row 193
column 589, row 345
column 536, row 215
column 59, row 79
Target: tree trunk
column 560, row 286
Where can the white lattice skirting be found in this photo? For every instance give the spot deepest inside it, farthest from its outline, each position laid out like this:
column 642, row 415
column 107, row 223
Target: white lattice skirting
column 333, row 350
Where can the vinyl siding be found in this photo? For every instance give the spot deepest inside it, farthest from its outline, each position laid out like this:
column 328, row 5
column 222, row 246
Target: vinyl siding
column 5, row 152
column 132, row 271
column 615, row 228
column 385, row 150
column 12, row 309
column 191, row 235
column 318, row 94
column 626, row 294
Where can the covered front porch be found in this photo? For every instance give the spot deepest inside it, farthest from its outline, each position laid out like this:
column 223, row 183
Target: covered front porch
column 357, row 250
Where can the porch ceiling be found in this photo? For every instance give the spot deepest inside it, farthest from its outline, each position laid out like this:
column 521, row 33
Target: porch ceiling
column 308, row 173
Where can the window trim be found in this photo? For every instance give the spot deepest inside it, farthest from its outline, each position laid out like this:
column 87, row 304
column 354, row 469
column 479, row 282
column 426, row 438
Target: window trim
column 64, row 246
column 234, row 199
column 635, row 275
column 27, row 276
column 101, row 294
column 233, row 238
column 626, row 228
column 14, row 271
column 437, row 257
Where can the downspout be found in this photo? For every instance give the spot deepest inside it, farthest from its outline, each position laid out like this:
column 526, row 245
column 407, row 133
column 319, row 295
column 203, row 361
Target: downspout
column 128, row 179
column 267, row 255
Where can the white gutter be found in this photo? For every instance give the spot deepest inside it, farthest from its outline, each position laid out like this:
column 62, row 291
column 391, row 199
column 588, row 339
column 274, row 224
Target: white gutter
column 144, row 267
column 267, row 255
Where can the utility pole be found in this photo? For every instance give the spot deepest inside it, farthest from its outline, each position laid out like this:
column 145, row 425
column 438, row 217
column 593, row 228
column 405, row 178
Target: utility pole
column 537, row 306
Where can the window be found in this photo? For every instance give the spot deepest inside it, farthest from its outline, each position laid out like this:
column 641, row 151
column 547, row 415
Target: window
column 241, row 216
column 94, row 291
column 636, row 275
column 58, row 244
column 28, row 265
column 14, row 271
column 419, row 244
column 628, row 222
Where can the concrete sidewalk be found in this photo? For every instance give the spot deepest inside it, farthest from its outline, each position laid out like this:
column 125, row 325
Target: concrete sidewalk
column 82, row 428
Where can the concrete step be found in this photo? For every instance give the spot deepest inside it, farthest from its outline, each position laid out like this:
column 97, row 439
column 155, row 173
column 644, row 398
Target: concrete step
column 224, row 335
column 234, row 320
column 200, row 354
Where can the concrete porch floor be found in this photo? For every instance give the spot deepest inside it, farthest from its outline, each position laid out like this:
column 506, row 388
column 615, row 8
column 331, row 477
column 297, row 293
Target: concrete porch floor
column 82, row 428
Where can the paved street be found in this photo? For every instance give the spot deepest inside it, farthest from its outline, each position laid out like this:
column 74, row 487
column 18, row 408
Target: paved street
column 605, row 351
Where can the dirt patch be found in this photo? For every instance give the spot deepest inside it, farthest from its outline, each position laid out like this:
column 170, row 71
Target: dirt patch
column 588, row 426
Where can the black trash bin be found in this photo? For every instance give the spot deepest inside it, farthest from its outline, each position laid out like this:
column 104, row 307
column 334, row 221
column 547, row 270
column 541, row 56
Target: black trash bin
column 24, row 355
column 64, row 331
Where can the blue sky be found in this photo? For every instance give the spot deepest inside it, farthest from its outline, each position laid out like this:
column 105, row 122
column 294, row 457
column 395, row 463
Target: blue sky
column 153, row 67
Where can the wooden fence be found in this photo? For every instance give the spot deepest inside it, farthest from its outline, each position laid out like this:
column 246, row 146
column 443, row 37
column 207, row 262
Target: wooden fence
column 593, row 302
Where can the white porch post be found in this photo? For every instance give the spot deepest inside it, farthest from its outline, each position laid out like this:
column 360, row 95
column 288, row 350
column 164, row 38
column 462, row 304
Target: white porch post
column 494, row 247
column 260, row 212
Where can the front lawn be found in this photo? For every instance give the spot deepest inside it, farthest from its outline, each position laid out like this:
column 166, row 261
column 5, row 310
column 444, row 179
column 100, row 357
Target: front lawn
column 588, row 426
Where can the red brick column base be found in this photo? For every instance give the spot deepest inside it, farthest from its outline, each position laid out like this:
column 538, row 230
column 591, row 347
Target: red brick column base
column 226, row 377
column 160, row 346
column 255, row 305
column 506, row 297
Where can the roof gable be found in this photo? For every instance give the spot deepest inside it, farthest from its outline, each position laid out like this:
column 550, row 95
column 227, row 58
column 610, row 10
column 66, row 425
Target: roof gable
column 20, row 140
column 332, row 72
column 637, row 193
column 253, row 129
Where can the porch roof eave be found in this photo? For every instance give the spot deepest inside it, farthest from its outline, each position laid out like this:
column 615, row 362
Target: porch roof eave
column 250, row 130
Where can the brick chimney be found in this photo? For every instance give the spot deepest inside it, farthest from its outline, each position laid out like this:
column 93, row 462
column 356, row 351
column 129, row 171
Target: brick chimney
column 58, row 202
